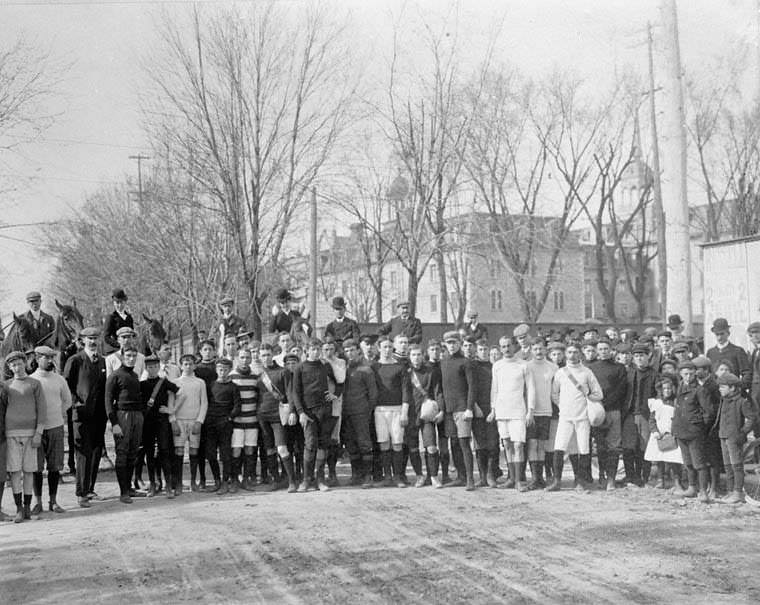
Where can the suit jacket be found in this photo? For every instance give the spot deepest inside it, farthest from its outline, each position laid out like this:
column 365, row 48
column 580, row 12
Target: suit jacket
column 736, row 356
column 754, row 364
column 112, row 324
column 42, row 329
column 87, row 383
column 412, row 328
column 480, row 331
column 343, row 330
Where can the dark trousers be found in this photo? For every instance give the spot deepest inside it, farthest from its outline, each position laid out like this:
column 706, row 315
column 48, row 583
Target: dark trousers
column 71, row 462
column 218, row 439
column 127, row 446
column 356, row 434
column 87, row 439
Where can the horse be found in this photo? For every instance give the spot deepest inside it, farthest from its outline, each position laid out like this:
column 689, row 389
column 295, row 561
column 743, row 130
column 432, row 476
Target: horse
column 19, row 336
column 150, row 335
column 68, row 324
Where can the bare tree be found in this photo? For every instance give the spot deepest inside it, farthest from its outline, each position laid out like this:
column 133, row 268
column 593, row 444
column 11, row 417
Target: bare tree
column 252, row 102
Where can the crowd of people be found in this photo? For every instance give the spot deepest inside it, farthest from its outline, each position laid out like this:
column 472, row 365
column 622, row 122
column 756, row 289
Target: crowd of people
column 281, row 412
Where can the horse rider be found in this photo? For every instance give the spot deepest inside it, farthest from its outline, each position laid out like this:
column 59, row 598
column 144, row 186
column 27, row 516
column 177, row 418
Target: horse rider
column 42, row 324
column 119, row 318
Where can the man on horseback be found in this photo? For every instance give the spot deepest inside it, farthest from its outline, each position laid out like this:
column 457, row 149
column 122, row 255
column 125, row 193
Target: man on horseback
column 120, row 318
column 42, row 324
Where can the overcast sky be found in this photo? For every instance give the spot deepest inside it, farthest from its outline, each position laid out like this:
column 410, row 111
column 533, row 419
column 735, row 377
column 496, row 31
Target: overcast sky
column 107, row 42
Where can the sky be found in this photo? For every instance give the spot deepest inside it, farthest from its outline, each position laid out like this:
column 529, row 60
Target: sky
column 107, row 44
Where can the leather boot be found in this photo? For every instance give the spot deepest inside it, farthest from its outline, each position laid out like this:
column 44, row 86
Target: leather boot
column 584, row 479
column 558, row 463
column 691, row 491
column 574, row 463
column 612, row 466
column 629, row 465
column 482, row 459
column 536, row 473
column 704, row 483
column 548, row 462
column 287, row 464
column 365, row 468
column 493, row 463
column 444, row 459
column 235, row 479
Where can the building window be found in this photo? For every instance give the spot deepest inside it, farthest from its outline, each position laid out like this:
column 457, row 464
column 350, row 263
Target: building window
column 496, row 300
column 624, row 309
column 393, row 279
column 433, row 303
column 493, row 268
column 559, row 300
column 394, row 301
column 434, row 273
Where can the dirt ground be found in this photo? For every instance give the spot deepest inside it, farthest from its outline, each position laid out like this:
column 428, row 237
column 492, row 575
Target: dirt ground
column 383, row 546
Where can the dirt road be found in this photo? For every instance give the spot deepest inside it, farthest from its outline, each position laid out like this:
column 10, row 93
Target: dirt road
column 384, row 546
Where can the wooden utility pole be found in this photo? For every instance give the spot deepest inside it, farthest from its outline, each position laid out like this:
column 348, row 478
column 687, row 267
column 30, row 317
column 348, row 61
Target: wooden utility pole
column 139, row 157
column 659, row 212
column 675, row 200
column 314, row 261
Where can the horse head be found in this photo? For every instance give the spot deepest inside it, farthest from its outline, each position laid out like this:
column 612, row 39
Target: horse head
column 154, row 333
column 68, row 324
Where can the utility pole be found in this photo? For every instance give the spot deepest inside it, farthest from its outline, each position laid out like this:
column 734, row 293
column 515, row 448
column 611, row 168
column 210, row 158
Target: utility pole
column 659, row 212
column 139, row 157
column 675, row 202
column 314, row 260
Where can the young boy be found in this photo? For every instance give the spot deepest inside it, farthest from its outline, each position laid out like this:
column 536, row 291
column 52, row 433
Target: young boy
column 158, row 397
column 635, row 416
column 58, row 400
column 190, row 408
column 223, row 405
column 485, row 434
column 24, row 424
column 736, row 417
column 313, row 402
column 540, row 372
column 426, row 384
column 245, row 426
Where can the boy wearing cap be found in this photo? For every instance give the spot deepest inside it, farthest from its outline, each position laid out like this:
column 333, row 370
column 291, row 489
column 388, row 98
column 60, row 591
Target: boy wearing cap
column 341, row 328
column 42, row 324
column 24, row 425
column 50, row 452
column 126, row 337
column 190, row 408
column 458, row 387
column 474, row 328
column 735, row 419
column 313, row 401
column 522, row 334
column 158, row 394
column 85, row 374
column 223, row 405
column 125, row 410
column 119, row 318
column 708, row 392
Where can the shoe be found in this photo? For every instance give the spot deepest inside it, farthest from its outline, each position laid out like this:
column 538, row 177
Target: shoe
column 53, row 507
column 249, row 484
column 554, row 486
column 509, row 483
column 292, row 488
column 27, row 512
column 234, row 486
column 194, row 487
column 323, row 486
column 521, row 487
column 151, row 490
column 19, row 515
column 428, row 480
column 703, row 498
column 37, row 510
column 304, row 487
column 689, row 492
column 83, row 503
column 611, row 484
column 581, row 487
column 132, row 493
column 125, row 499
column 660, row 483
column 332, row 480
column 367, row 482
column 735, row 497
column 224, row 488
column 177, row 491
column 210, row 489
column 202, row 485
column 388, row 482
column 170, row 494
column 93, row 496
column 456, row 483
column 159, row 487
column 712, row 493
column 400, row 483
column 436, row 483
column 138, row 484
column 470, row 485
column 420, row 482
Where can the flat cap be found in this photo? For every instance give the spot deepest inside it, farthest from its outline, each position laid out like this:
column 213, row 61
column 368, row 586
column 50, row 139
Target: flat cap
column 729, row 379
column 152, row 359
column 668, row 362
column 754, row 327
column 226, row 300
column 687, row 364
column 521, row 330
column 223, row 361
column 90, row 331
column 623, row 347
column 119, row 294
column 291, row 357
column 14, row 355
column 125, row 331
column 589, row 342
column 33, row 295
column 403, row 303
column 665, row 334
column 701, row 362
column 45, row 350
column 451, row 335
column 640, row 348
column 681, row 347
column 556, row 345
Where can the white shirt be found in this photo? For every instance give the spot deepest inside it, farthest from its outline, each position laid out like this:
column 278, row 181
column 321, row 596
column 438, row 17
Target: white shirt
column 572, row 402
column 509, row 389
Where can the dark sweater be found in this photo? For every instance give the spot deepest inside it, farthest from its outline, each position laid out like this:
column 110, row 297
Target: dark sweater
column 736, row 418
column 483, row 374
column 692, row 412
column 613, row 378
column 430, row 381
column 206, row 371
column 269, row 403
column 123, row 393
column 224, row 402
column 393, row 385
column 87, row 383
column 359, row 389
column 113, row 322
column 310, row 385
column 343, row 330
column 161, row 399
column 458, row 383
column 641, row 388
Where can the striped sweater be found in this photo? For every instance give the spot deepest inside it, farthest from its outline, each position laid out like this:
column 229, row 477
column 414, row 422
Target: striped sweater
column 247, row 382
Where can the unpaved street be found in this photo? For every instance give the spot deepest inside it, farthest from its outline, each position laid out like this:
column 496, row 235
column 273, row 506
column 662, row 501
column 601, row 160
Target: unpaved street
column 384, row 546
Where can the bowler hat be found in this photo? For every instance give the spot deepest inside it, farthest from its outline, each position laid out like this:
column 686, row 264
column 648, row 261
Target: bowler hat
column 674, row 320
column 338, row 303
column 720, row 325
column 119, row 294
column 283, row 295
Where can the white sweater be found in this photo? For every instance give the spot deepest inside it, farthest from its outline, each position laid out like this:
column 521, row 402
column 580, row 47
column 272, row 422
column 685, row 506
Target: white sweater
column 540, row 377
column 191, row 402
column 57, row 397
column 508, row 389
column 570, row 401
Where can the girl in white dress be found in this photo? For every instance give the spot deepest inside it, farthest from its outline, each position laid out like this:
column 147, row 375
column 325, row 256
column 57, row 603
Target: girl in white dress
column 660, row 439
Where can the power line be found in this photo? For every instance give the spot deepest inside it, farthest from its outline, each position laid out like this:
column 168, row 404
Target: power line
column 76, row 142
column 106, row 2
column 57, row 178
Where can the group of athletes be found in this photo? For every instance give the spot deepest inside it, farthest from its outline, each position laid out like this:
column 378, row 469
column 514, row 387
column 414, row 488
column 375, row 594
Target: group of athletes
column 281, row 413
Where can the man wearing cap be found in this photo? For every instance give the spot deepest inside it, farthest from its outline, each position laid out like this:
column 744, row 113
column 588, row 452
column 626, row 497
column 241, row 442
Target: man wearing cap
column 635, row 416
column 735, row 420
column 42, row 324
column 472, row 327
column 229, row 322
column 341, row 328
column 522, row 334
column 57, row 402
column 24, row 425
column 458, row 388
column 126, row 339
column 85, row 373
column 283, row 316
column 724, row 350
column 681, row 352
column 403, row 323
column 157, row 394
column 119, row 318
